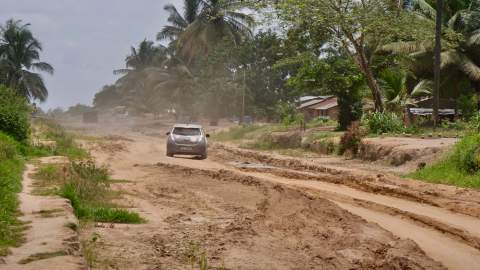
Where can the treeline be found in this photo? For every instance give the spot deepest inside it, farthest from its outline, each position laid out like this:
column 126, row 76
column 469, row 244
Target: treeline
column 372, row 54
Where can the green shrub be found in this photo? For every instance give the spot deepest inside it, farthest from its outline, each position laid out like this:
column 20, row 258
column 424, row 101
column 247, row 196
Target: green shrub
column 457, row 125
column 8, row 147
column 288, row 113
column 466, row 154
column 14, row 111
column 474, row 123
column 11, row 168
column 87, row 188
column 467, row 104
column 383, row 122
column 351, row 139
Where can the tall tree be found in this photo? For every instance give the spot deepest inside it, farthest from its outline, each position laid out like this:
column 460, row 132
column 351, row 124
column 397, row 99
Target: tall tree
column 355, row 27
column 438, row 61
column 179, row 22
column 19, row 58
column 460, row 36
column 217, row 20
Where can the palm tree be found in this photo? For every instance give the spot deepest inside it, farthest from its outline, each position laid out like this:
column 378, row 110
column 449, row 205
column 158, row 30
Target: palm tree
column 216, row 21
column 19, row 58
column 461, row 56
column 394, row 85
column 146, row 55
column 178, row 22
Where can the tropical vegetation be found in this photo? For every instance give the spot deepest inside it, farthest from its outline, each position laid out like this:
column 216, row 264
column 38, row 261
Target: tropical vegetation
column 20, row 59
column 211, row 61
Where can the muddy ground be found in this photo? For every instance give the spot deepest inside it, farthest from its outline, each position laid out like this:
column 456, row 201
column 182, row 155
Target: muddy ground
column 253, row 210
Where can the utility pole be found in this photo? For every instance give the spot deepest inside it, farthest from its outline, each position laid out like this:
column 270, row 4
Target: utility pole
column 242, row 115
column 437, row 63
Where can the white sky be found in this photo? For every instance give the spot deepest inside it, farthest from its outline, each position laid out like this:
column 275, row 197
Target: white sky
column 86, row 39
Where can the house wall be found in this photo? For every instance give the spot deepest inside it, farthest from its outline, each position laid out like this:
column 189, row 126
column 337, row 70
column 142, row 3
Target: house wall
column 310, row 114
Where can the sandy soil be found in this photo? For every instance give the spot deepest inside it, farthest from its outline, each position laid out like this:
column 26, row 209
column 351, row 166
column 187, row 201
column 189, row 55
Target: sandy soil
column 49, row 243
column 252, row 210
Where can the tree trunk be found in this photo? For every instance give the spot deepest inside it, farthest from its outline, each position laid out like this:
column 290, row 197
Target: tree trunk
column 371, row 82
column 437, row 63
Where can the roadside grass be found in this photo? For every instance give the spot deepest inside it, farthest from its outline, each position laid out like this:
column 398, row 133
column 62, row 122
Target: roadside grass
column 445, row 172
column 236, row 133
column 197, row 258
column 11, row 169
column 461, row 167
column 88, row 250
column 321, row 122
column 65, row 144
column 42, row 256
column 87, row 186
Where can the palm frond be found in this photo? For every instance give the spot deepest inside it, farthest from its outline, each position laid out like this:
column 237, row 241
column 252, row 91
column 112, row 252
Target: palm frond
column 32, row 86
column 424, row 7
column 42, row 66
column 175, row 18
column 423, row 88
column 471, row 69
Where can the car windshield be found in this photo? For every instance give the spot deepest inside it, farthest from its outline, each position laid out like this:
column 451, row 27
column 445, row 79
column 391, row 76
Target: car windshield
column 186, row 131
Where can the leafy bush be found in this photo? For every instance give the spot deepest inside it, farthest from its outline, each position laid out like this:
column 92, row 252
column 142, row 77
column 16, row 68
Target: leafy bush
column 351, row 139
column 8, row 147
column 288, row 113
column 457, row 125
column 466, row 154
column 383, row 122
column 11, row 168
column 474, row 123
column 14, row 115
column 467, row 104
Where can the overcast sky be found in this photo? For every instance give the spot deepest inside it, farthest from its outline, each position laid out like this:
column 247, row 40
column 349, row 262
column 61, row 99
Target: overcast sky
column 86, row 39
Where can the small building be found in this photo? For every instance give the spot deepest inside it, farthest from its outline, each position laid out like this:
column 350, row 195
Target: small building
column 424, row 108
column 322, row 106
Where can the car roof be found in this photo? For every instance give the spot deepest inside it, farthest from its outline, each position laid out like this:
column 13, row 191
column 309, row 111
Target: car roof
column 187, row 126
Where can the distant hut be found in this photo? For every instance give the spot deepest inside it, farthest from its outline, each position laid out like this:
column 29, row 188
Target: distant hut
column 320, row 106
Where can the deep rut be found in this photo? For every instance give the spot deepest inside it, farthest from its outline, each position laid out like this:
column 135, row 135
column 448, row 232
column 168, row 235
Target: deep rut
column 449, row 237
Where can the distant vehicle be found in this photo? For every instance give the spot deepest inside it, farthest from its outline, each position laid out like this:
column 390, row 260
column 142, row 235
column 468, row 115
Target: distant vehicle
column 187, row 139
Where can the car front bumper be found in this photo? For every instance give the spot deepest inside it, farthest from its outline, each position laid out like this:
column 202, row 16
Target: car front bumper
column 195, row 149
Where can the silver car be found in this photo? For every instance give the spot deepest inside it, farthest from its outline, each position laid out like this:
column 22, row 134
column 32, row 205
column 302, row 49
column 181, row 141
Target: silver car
column 187, row 139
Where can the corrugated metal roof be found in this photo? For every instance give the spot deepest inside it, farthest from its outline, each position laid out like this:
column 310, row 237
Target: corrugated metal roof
column 313, row 102
column 326, row 106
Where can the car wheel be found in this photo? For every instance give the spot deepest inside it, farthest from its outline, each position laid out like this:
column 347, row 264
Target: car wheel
column 169, row 155
column 204, row 156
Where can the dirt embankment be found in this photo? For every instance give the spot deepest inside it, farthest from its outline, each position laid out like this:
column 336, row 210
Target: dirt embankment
column 398, row 151
column 461, row 200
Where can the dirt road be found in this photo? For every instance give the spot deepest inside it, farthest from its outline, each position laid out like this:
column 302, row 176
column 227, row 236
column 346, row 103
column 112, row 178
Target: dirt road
column 250, row 210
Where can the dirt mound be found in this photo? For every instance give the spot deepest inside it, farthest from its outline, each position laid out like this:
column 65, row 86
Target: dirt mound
column 398, row 151
column 461, row 200
column 290, row 139
column 110, row 147
column 117, row 138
